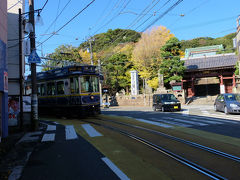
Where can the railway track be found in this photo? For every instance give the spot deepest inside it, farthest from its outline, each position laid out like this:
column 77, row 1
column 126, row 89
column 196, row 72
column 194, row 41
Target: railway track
column 136, row 132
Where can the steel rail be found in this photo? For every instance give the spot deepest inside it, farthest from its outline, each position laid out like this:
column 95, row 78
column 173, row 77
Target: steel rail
column 170, row 154
column 193, row 144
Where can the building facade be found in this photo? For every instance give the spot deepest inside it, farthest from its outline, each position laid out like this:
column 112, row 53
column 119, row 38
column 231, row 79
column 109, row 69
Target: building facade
column 13, row 61
column 209, row 74
column 3, row 70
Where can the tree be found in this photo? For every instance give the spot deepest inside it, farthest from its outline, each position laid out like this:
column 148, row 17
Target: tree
column 117, row 72
column 65, row 53
column 111, row 39
column 172, row 67
column 86, row 57
column 147, row 52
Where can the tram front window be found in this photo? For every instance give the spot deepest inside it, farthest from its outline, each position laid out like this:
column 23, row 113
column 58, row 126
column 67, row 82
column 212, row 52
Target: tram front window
column 89, row 84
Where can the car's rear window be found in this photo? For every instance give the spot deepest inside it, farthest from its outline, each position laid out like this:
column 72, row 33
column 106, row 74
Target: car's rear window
column 233, row 97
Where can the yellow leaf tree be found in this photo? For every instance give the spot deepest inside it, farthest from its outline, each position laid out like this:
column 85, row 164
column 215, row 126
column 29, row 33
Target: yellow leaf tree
column 146, row 54
column 86, row 57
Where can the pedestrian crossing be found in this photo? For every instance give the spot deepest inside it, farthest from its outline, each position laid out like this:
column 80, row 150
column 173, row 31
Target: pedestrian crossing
column 50, row 135
column 193, row 121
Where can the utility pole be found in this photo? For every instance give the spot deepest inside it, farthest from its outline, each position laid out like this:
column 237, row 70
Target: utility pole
column 100, row 81
column 20, row 68
column 91, row 53
column 34, row 99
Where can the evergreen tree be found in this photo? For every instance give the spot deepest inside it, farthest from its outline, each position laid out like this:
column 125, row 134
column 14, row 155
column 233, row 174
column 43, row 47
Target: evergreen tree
column 171, row 66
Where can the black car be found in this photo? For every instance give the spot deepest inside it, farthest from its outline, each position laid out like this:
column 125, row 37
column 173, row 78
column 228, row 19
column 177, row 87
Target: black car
column 166, row 102
column 228, row 103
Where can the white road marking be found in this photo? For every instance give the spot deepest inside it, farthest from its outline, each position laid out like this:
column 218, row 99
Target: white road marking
column 205, row 112
column 17, row 171
column 91, row 131
column 115, row 169
column 51, row 128
column 185, row 112
column 171, row 122
column 48, row 137
column 218, row 120
column 70, row 132
column 30, row 137
column 206, row 121
column 186, row 121
column 155, row 123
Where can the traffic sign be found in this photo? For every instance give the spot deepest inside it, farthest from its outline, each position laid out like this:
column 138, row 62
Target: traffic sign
column 34, row 58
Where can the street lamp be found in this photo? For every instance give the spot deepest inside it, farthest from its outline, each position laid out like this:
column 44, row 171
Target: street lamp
column 34, row 99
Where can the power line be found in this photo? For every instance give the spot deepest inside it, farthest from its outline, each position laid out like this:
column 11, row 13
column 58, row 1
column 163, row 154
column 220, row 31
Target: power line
column 113, row 17
column 141, row 17
column 67, row 22
column 101, row 16
column 19, row 1
column 44, row 5
column 56, row 18
column 206, row 23
column 163, row 14
column 152, row 15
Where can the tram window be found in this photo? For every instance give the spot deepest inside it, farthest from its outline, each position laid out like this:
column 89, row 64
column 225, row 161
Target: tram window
column 74, row 85
column 95, row 84
column 89, row 84
column 41, row 89
column 43, row 92
column 51, row 88
column 60, row 87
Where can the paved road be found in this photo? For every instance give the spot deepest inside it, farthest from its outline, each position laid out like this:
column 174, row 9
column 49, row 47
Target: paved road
column 198, row 117
column 64, row 155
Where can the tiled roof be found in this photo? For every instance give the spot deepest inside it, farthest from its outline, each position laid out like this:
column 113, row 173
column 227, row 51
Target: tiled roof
column 217, row 61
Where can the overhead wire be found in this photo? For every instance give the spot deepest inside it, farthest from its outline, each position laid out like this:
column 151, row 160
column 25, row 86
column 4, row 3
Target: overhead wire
column 206, row 23
column 56, row 15
column 113, row 17
column 44, row 6
column 19, row 1
column 137, row 19
column 189, row 12
column 152, row 15
column 68, row 22
column 141, row 17
column 56, row 18
column 163, row 14
column 101, row 16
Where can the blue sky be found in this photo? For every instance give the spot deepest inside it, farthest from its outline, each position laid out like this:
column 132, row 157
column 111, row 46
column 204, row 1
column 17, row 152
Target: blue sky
column 200, row 18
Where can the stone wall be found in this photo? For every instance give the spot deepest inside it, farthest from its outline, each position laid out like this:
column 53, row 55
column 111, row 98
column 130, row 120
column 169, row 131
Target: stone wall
column 146, row 100
column 138, row 100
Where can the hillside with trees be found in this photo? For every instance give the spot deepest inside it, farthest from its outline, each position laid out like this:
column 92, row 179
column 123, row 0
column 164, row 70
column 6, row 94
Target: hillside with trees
column 120, row 51
column 226, row 41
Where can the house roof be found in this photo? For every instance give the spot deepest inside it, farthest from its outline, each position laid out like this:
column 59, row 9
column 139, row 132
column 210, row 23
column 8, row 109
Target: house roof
column 211, row 62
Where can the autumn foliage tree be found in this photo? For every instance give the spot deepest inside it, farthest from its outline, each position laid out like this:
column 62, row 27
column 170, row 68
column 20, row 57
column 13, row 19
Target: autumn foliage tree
column 147, row 52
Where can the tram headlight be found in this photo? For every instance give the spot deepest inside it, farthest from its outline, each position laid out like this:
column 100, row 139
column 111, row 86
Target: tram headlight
column 91, row 97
